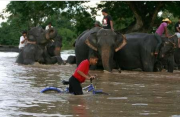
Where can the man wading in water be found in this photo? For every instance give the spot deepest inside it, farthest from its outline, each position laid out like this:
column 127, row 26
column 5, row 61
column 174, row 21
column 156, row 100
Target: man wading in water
column 81, row 74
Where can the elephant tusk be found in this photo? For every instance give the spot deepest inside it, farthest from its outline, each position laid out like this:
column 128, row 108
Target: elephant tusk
column 122, row 44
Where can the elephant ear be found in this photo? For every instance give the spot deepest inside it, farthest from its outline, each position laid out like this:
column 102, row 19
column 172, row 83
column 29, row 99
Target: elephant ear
column 91, row 41
column 120, row 42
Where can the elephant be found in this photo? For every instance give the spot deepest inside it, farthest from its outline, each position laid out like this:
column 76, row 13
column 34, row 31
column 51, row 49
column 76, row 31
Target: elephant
column 175, row 59
column 139, row 52
column 33, row 54
column 52, row 51
column 49, row 44
column 104, row 42
column 41, row 36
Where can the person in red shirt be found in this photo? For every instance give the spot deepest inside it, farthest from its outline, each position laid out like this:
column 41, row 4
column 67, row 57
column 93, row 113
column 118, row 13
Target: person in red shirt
column 81, row 74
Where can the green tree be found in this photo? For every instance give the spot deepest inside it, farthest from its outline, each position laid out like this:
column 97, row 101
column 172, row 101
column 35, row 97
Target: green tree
column 69, row 17
column 138, row 16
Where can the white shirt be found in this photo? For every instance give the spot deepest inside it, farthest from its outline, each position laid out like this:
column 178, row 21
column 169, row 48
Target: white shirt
column 21, row 45
column 47, row 27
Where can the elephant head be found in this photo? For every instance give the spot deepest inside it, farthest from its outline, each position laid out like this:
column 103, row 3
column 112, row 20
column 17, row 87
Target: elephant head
column 41, row 36
column 30, row 54
column 54, row 47
column 50, row 33
column 106, row 43
column 168, row 47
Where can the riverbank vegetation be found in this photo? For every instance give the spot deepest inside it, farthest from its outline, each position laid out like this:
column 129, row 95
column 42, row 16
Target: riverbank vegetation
column 71, row 18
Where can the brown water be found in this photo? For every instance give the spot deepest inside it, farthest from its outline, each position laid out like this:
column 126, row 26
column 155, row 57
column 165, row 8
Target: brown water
column 132, row 93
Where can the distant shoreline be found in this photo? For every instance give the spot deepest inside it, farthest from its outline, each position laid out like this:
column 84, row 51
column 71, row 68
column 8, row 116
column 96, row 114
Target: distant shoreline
column 11, row 48
column 8, row 48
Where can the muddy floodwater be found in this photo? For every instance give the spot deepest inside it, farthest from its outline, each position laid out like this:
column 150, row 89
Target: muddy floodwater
column 131, row 93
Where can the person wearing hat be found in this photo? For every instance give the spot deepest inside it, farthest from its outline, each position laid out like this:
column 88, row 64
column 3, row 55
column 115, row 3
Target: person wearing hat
column 161, row 29
column 97, row 24
column 107, row 22
column 177, row 31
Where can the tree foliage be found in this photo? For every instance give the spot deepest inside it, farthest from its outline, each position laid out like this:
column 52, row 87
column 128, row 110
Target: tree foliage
column 65, row 16
column 138, row 16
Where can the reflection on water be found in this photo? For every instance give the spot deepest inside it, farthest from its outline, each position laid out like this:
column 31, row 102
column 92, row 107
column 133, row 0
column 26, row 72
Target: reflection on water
column 132, row 93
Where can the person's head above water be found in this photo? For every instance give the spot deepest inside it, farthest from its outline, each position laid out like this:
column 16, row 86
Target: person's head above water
column 93, row 59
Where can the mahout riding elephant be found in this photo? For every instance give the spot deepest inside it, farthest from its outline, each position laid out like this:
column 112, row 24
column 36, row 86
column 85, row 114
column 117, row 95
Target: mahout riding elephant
column 49, row 44
column 139, row 52
column 105, row 42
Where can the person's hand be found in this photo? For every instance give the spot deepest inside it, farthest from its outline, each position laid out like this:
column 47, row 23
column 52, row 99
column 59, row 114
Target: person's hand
column 93, row 77
column 25, row 38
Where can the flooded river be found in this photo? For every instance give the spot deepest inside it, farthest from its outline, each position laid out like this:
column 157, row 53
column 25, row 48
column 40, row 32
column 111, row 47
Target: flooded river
column 132, row 93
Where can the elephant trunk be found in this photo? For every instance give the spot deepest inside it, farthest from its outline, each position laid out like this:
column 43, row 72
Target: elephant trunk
column 106, row 58
column 51, row 33
column 57, row 51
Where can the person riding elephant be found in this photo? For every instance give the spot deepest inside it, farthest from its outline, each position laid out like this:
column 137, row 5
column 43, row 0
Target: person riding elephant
column 177, row 31
column 105, row 42
column 161, row 29
column 139, row 52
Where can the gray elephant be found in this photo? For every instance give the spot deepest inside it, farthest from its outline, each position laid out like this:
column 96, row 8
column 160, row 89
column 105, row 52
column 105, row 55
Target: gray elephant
column 139, row 52
column 103, row 41
column 33, row 53
column 46, row 50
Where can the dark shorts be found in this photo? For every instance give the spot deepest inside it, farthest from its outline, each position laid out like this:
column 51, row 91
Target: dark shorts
column 75, row 86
